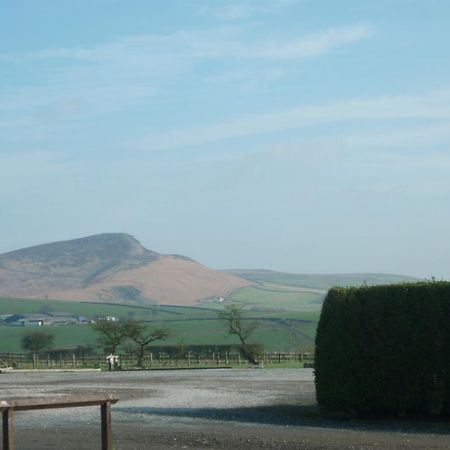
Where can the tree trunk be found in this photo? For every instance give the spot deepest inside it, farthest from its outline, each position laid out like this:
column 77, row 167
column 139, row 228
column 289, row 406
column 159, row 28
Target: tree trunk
column 140, row 356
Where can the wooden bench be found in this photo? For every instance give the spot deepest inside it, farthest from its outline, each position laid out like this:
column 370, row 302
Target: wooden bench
column 8, row 408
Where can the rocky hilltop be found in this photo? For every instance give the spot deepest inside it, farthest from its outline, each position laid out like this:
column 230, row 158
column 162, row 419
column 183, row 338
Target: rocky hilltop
column 111, row 267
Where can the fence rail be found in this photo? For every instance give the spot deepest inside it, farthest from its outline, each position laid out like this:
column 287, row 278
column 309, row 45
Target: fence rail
column 154, row 359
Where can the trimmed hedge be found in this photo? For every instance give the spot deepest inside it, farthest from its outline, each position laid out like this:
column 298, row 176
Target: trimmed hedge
column 385, row 350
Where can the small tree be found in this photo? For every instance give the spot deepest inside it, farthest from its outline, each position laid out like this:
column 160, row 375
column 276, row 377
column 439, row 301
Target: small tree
column 143, row 336
column 232, row 316
column 37, row 341
column 112, row 334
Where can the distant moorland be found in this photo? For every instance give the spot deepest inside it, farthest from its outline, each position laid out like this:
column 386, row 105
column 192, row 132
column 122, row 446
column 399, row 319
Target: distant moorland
column 113, row 275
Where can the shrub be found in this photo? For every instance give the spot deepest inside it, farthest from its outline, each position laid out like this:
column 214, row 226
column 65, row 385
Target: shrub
column 385, row 350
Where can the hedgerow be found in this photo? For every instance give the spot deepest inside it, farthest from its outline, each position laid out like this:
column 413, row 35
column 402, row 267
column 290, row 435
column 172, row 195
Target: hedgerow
column 385, row 350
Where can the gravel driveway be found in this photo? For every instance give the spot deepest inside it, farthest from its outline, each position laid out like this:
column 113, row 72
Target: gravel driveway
column 205, row 409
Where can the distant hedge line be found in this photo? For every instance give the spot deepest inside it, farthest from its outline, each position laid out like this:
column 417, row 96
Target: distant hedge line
column 385, row 350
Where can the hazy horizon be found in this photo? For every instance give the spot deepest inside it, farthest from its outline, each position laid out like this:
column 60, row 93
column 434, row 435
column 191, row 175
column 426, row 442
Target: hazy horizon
column 291, row 135
column 216, row 268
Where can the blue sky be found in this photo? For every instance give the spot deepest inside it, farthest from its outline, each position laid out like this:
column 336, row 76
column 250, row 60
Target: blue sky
column 295, row 135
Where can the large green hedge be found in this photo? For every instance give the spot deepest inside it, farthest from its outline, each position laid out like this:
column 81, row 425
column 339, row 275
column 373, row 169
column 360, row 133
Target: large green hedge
column 385, row 350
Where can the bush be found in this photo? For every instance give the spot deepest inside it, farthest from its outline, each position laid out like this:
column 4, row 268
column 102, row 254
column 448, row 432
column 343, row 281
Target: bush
column 37, row 340
column 385, row 350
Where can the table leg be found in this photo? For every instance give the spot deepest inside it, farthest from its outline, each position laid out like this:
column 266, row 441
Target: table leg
column 8, row 429
column 106, row 426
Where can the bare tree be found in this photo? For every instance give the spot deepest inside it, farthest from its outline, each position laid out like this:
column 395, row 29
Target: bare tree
column 232, row 316
column 143, row 336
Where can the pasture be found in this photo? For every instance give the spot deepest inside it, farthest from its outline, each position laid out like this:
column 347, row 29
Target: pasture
column 320, row 281
column 287, row 319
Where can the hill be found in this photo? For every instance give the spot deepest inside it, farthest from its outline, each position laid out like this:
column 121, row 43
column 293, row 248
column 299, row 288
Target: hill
column 111, row 267
column 318, row 281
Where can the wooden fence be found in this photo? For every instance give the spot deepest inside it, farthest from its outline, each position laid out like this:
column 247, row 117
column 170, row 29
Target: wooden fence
column 156, row 359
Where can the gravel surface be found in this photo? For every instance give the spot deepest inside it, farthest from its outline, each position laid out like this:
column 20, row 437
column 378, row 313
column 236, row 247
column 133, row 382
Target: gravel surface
column 204, row 409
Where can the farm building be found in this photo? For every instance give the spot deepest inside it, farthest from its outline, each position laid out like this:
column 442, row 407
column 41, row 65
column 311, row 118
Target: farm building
column 38, row 320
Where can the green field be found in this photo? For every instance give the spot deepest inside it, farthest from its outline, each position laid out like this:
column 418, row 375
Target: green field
column 286, row 307
column 69, row 336
column 91, row 310
column 277, row 298
column 320, row 281
column 287, row 319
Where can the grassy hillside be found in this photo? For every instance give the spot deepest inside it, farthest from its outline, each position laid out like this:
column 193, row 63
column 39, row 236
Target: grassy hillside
column 319, row 281
column 271, row 298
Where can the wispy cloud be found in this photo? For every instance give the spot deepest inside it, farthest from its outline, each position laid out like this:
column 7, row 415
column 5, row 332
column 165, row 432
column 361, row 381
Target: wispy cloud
column 87, row 81
column 430, row 107
column 314, row 44
column 159, row 52
column 243, row 10
column 404, row 137
column 224, row 45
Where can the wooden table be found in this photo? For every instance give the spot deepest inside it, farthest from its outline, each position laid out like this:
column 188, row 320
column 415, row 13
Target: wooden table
column 8, row 408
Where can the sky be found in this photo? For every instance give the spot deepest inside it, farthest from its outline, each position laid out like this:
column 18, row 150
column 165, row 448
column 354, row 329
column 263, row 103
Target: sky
column 307, row 136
